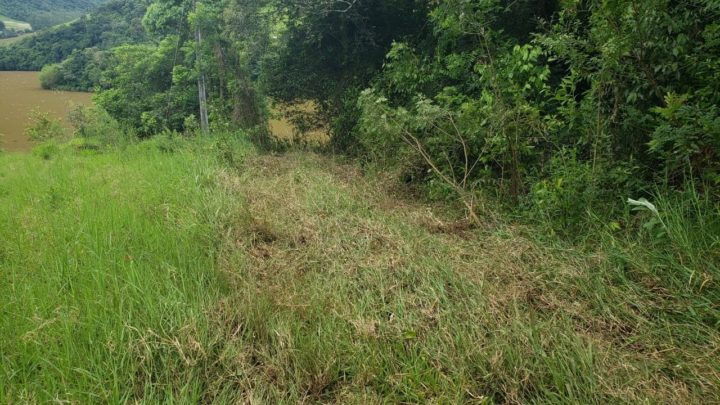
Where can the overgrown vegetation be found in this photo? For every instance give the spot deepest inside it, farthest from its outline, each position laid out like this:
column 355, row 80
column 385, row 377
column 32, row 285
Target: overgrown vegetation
column 552, row 108
column 197, row 270
column 562, row 120
column 538, row 220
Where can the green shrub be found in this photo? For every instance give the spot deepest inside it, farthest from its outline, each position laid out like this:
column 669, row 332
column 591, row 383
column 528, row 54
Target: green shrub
column 232, row 148
column 95, row 123
column 565, row 194
column 687, row 140
column 50, row 76
column 43, row 127
column 191, row 126
column 46, row 150
column 85, row 145
column 165, row 142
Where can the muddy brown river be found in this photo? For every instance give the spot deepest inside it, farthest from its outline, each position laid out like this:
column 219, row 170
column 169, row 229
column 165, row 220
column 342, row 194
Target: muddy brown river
column 20, row 94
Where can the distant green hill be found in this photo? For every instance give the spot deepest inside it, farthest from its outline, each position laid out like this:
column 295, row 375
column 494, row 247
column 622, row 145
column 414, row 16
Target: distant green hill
column 114, row 23
column 11, row 29
column 45, row 13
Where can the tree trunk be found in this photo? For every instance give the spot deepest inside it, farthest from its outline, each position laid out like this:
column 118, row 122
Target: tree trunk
column 202, row 91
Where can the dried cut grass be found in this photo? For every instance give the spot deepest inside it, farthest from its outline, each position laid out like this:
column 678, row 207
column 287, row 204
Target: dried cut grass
column 367, row 298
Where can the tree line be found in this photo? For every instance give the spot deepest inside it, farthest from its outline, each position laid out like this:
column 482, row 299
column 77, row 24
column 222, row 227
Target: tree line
column 556, row 109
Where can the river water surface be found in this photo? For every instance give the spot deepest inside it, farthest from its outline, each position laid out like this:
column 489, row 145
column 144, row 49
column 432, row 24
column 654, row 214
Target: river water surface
column 20, row 94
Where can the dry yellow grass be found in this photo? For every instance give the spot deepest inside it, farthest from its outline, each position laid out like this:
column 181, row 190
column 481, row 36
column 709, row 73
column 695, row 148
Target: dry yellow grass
column 375, row 297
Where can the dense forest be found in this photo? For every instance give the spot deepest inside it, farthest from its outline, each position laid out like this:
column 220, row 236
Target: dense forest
column 592, row 125
column 46, row 13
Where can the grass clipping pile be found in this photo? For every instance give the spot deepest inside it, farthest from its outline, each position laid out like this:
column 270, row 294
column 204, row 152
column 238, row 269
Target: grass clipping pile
column 342, row 292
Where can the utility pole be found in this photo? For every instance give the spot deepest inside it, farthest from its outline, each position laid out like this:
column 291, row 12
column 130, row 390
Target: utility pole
column 202, row 91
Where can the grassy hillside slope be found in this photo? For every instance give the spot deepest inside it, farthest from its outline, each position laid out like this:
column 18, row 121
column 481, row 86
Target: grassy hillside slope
column 15, row 25
column 204, row 272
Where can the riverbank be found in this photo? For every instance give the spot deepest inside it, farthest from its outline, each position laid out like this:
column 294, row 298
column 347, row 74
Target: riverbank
column 203, row 271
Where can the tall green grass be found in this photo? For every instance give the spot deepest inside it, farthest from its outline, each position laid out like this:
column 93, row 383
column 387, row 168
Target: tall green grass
column 98, row 252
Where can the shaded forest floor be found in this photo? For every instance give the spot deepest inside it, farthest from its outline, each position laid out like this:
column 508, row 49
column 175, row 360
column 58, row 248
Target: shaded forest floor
column 295, row 278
